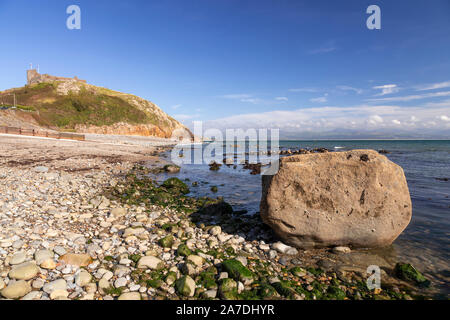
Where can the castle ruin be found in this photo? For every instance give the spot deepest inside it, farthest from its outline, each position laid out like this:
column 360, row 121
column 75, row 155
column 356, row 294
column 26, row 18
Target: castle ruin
column 34, row 77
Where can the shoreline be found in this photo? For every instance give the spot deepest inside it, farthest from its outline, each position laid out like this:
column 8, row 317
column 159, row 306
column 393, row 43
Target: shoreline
column 76, row 223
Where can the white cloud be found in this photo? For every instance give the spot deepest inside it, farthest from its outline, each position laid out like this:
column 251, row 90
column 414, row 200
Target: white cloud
column 414, row 97
column 176, row 106
column 443, row 103
column 326, row 48
column 248, row 98
column 433, row 86
column 319, row 100
column 236, row 96
column 322, row 50
column 348, row 88
column 311, row 90
column 361, row 118
column 252, row 100
column 243, row 97
column 387, row 89
column 375, row 119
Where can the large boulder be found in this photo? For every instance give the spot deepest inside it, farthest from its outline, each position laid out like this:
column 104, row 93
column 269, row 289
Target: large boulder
column 357, row 198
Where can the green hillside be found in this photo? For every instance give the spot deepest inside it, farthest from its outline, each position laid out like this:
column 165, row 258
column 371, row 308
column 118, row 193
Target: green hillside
column 52, row 106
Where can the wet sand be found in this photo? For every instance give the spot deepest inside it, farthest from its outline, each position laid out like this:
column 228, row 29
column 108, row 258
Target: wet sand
column 22, row 151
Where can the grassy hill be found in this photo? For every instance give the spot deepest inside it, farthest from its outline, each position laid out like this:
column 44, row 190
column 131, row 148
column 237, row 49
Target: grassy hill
column 67, row 106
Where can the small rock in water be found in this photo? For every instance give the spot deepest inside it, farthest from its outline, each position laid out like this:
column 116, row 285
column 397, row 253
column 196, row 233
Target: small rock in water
column 171, row 168
column 407, row 272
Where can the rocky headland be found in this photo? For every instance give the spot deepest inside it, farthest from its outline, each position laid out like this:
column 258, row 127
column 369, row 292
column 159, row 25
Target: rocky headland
column 69, row 104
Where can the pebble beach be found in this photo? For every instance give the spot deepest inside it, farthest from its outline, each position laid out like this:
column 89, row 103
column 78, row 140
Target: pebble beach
column 83, row 221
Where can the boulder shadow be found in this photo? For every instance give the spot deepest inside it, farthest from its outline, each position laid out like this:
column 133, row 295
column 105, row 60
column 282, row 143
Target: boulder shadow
column 220, row 213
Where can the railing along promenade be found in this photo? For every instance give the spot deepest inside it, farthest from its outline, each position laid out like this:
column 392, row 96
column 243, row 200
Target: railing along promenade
column 42, row 133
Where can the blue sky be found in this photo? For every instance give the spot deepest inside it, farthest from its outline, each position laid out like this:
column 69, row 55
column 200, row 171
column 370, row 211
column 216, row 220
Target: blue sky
column 310, row 68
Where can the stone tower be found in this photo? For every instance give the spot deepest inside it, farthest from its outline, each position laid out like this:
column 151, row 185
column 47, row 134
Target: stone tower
column 33, row 76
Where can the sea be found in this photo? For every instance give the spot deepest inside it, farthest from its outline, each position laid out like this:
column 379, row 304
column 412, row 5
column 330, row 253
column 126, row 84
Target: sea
column 426, row 241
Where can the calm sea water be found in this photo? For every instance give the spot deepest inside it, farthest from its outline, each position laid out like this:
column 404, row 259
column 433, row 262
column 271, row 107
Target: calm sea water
column 426, row 241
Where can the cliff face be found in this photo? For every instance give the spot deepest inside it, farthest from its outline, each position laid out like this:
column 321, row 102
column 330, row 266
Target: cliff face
column 74, row 105
column 126, row 129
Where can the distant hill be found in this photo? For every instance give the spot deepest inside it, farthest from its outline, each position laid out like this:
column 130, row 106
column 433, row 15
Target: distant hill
column 74, row 105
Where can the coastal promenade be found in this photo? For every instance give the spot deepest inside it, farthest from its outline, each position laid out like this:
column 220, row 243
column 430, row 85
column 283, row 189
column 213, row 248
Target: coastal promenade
column 41, row 133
